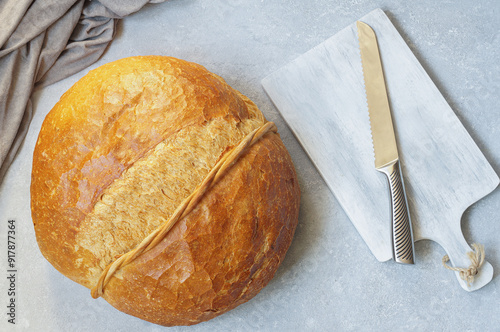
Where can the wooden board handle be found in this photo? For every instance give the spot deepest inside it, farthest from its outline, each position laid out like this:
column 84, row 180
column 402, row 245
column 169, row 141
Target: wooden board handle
column 457, row 248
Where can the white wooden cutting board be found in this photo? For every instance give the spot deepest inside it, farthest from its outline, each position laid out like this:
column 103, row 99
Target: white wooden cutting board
column 321, row 97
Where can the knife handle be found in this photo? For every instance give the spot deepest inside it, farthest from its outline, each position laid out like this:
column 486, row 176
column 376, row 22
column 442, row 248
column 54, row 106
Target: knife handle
column 402, row 237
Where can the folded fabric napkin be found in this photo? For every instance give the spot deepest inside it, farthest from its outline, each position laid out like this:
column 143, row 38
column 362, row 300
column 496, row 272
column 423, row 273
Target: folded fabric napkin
column 42, row 42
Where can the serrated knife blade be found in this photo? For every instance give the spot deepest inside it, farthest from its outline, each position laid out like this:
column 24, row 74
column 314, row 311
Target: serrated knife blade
column 384, row 142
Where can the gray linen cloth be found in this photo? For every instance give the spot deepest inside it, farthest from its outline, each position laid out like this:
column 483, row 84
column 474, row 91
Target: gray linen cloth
column 44, row 41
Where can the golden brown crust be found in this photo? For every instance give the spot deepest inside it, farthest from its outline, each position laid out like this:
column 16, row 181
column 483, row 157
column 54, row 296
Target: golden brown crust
column 223, row 252
column 101, row 144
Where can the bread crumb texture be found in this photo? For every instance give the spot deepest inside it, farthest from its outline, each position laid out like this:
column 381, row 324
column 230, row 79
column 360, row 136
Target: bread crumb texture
column 117, row 155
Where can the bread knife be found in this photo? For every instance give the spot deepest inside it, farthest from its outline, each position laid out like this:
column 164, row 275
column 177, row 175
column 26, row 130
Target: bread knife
column 384, row 143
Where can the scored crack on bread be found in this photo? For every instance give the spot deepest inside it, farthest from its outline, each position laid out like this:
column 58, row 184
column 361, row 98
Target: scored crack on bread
column 116, row 156
column 107, row 231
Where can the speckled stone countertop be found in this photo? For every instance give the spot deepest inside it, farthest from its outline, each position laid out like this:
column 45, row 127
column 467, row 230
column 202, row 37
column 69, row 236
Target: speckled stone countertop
column 329, row 279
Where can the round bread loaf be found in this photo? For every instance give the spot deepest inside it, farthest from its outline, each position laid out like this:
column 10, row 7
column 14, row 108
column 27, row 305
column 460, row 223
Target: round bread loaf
column 122, row 150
